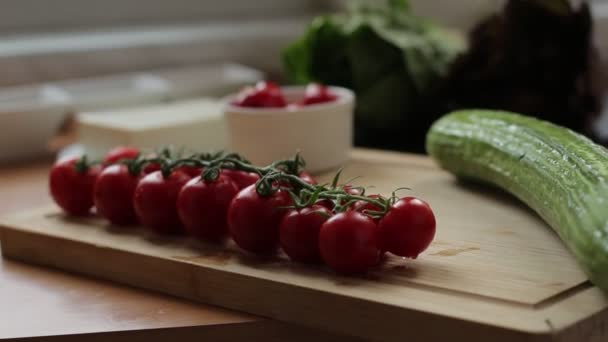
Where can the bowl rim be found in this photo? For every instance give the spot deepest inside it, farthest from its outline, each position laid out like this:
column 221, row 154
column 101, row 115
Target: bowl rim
column 345, row 97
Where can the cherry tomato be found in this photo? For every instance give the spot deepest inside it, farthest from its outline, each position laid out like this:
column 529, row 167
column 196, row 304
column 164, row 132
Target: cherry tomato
column 329, row 204
column 308, row 178
column 119, row 153
column 155, row 201
column 202, row 207
column 408, row 227
column 305, row 176
column 364, row 206
column 348, row 242
column 113, row 194
column 349, row 189
column 241, row 178
column 71, row 185
column 150, row 167
column 191, row 171
column 299, row 233
column 264, row 94
column 317, row 93
column 253, row 221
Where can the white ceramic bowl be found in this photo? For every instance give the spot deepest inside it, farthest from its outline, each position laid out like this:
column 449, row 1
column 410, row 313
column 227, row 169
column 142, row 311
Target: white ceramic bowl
column 323, row 133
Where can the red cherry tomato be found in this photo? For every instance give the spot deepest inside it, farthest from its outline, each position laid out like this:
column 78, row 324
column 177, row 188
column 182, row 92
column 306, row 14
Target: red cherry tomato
column 253, row 221
column 349, row 189
column 150, row 167
column 202, row 207
column 155, row 201
column 120, row 153
column 72, row 186
column 408, row 227
column 191, row 171
column 305, row 176
column 348, row 242
column 317, row 93
column 308, row 178
column 299, row 233
column 329, row 204
column 113, row 194
column 364, row 206
column 264, row 94
column 241, row 178
column 267, row 86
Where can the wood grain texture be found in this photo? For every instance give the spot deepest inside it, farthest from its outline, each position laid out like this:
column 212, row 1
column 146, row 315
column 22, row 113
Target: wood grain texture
column 41, row 302
column 495, row 269
column 24, row 185
column 261, row 330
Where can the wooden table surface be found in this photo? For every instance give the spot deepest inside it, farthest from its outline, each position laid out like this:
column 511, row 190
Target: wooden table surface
column 40, row 302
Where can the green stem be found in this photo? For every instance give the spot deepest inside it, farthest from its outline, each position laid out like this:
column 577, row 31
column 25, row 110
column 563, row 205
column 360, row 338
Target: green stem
column 273, row 178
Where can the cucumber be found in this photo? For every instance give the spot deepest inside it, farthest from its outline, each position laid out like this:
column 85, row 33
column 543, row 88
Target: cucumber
column 560, row 174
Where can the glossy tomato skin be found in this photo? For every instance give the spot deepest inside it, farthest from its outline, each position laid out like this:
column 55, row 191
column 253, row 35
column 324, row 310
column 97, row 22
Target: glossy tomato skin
column 155, row 201
column 113, row 195
column 191, row 171
column 348, row 242
column 316, row 93
column 308, row 178
column 70, row 189
column 120, row 153
column 299, row 233
column 242, row 179
column 305, row 176
column 253, row 221
column 364, row 206
column 264, row 95
column 329, row 204
column 150, row 167
column 349, row 189
column 408, row 227
column 203, row 206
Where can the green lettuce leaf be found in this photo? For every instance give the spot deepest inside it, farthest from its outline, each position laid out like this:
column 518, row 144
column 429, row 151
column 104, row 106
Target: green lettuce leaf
column 389, row 57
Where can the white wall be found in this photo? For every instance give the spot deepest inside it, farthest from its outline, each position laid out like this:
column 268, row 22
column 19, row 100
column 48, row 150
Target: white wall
column 17, row 16
column 461, row 14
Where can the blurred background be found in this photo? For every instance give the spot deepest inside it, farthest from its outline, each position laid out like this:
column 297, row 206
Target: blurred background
column 408, row 62
column 43, row 41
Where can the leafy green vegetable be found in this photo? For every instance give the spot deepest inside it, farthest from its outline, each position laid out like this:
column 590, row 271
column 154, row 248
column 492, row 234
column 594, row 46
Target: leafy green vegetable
column 389, row 57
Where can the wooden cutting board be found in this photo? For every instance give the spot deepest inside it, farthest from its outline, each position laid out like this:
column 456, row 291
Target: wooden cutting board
column 495, row 272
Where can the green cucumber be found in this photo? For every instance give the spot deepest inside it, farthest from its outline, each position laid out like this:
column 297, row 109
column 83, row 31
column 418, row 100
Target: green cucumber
column 560, row 174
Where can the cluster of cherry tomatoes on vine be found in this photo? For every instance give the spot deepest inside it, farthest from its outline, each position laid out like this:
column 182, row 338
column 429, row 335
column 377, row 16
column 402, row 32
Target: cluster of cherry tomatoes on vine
column 213, row 197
